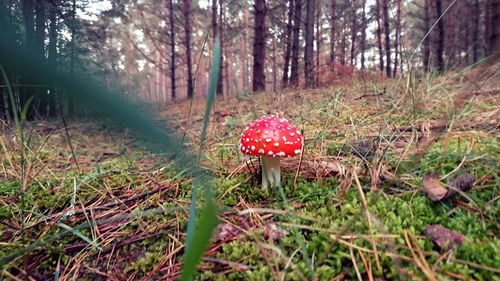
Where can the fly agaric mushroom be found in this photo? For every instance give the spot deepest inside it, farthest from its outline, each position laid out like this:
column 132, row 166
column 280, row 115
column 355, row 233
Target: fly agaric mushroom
column 271, row 137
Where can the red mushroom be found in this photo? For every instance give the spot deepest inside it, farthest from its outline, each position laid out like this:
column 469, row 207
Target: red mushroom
column 271, row 137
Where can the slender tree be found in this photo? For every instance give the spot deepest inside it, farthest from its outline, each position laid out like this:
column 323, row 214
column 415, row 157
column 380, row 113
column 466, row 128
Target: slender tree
column 494, row 36
column 387, row 32
column 396, row 38
column 475, row 31
column 333, row 6
column 487, row 25
column 308, row 51
column 52, row 57
column 379, row 35
column 426, row 46
column 288, row 44
column 187, row 41
column 222, row 77
column 318, row 40
column 343, row 40
column 439, row 42
column 294, row 73
column 362, row 46
column 259, row 46
column 172, row 49
column 353, row 30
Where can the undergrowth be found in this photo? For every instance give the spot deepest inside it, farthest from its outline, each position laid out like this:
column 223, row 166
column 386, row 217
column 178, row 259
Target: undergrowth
column 123, row 213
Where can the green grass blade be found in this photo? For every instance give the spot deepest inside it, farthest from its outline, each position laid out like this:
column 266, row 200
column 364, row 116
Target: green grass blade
column 198, row 237
column 78, row 233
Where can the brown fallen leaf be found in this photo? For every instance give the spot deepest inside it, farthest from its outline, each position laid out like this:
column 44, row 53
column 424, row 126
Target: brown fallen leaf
column 443, row 237
column 462, row 182
column 437, row 191
column 433, row 187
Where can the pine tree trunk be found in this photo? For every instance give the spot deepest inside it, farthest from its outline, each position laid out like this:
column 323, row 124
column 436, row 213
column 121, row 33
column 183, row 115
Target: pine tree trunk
column 397, row 37
column 245, row 51
column 494, row 38
column 40, row 95
column 173, row 94
column 318, row 41
column 187, row 30
column 379, row 37
column 294, row 73
column 353, row 32
column 343, row 40
column 52, row 58
column 274, row 66
column 333, row 7
column 487, row 25
column 362, row 46
column 440, row 38
column 475, row 31
column 72, row 54
column 288, row 46
column 387, row 32
column 220, row 82
column 259, row 46
column 427, row 42
column 308, row 51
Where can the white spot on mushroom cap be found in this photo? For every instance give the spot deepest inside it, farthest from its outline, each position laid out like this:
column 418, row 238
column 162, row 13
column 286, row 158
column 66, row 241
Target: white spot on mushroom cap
column 297, row 151
column 276, row 144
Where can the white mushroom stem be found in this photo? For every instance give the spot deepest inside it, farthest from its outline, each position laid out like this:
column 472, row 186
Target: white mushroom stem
column 271, row 172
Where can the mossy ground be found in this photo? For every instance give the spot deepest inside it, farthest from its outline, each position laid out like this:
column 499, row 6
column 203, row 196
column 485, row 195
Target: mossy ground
column 126, row 210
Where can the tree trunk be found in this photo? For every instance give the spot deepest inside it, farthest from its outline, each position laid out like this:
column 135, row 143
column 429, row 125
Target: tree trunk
column 52, row 58
column 318, row 42
column 288, row 46
column 187, row 30
column 387, row 31
column 379, row 36
column 259, row 46
column 396, row 38
column 220, row 82
column 308, row 51
column 245, row 51
column 494, row 38
column 72, row 54
column 487, row 25
column 465, row 14
column 333, row 6
column 29, row 21
column 440, row 38
column 362, row 46
column 343, row 40
column 274, row 66
column 173, row 94
column 294, row 73
column 353, row 31
column 426, row 43
column 39, row 51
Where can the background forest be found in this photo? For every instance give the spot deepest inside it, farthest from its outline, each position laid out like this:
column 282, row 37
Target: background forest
column 155, row 51
column 120, row 123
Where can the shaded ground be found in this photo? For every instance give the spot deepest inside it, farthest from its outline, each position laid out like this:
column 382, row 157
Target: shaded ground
column 118, row 212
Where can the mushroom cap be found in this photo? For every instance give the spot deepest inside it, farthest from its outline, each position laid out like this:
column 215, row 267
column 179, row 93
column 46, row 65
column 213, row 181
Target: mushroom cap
column 271, row 136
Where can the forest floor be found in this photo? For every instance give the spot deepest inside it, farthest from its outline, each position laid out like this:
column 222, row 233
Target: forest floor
column 398, row 181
